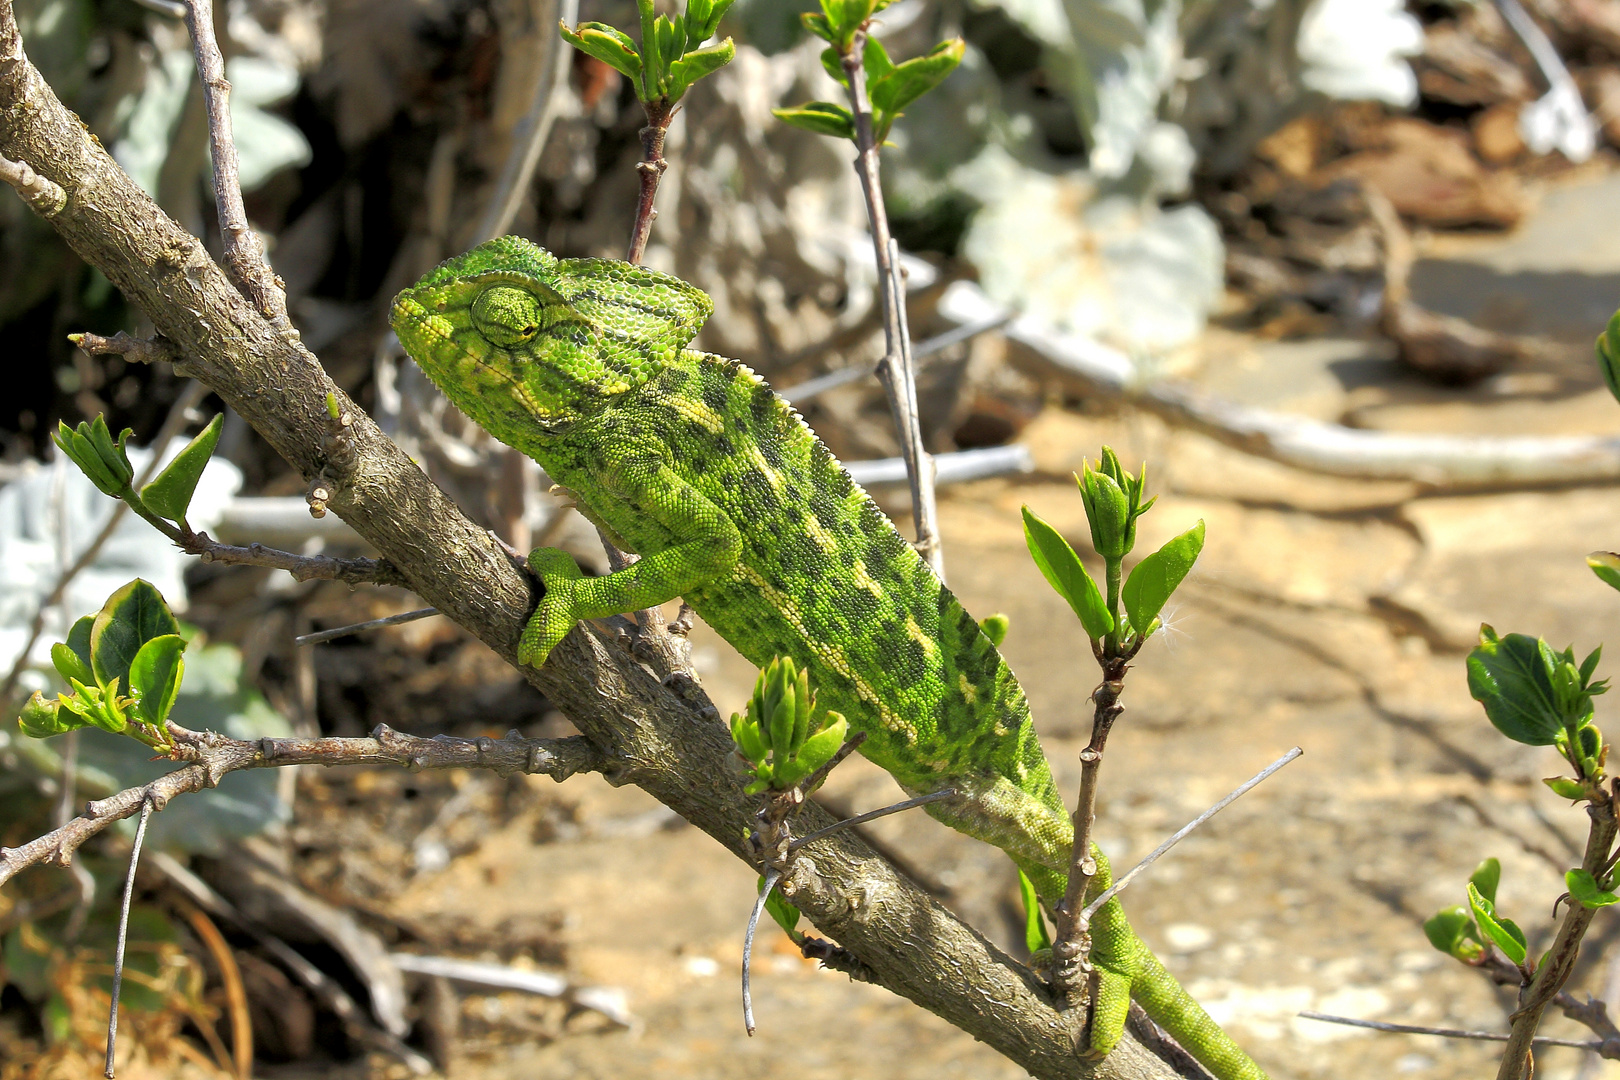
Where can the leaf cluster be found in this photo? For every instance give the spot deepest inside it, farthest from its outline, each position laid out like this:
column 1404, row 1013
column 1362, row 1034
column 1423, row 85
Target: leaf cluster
column 124, row 664
column 1538, row 696
column 890, row 87
column 1462, row 932
column 781, row 737
column 105, row 461
column 1113, row 501
column 671, row 55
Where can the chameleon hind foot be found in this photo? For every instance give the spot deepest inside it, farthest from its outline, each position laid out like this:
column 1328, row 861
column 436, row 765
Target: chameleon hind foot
column 555, row 616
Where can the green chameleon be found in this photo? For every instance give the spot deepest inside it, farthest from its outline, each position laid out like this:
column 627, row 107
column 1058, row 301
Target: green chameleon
column 734, row 505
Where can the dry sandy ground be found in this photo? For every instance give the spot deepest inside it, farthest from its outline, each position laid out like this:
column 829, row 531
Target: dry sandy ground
column 1326, row 613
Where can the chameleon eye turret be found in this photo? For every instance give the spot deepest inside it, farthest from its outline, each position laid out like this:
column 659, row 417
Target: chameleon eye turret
column 507, row 315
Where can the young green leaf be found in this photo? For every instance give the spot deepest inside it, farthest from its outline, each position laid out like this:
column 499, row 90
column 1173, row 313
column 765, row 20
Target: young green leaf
column 1508, row 676
column 70, row 665
column 1156, row 577
column 1606, row 565
column 821, row 117
column 698, row 63
column 818, row 25
column 995, row 628
column 111, row 452
column 1035, row 936
column 78, row 639
column 834, row 66
column 130, row 618
column 1584, row 888
column 42, row 718
column 1486, row 877
column 154, row 678
column 1451, row 931
column 1065, row 572
column 899, row 86
column 608, row 44
column 875, row 60
column 1505, row 933
column 785, row 914
column 1565, row 788
column 819, row 748
column 169, row 495
column 104, row 712
column 1608, row 356
column 79, row 450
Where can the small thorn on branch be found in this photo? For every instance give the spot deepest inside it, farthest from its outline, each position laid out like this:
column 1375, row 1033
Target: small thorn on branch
column 136, row 350
column 44, row 197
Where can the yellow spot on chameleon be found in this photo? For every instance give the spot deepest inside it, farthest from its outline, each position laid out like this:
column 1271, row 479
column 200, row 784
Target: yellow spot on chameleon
column 859, row 575
column 695, row 410
column 825, row 540
column 969, row 694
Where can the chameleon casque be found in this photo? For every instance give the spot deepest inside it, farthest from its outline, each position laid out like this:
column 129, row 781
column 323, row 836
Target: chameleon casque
column 733, row 504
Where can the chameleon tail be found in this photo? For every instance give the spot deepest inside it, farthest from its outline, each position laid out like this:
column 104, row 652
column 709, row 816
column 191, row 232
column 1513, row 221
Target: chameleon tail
column 1173, row 1009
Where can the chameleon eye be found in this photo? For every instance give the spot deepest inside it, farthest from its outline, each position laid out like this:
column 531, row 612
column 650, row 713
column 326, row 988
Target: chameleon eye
column 506, row 315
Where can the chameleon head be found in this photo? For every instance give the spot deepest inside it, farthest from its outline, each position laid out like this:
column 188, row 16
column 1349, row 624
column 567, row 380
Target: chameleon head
column 492, row 330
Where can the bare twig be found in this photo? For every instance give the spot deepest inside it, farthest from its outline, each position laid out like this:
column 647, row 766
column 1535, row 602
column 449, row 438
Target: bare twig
column 355, row 628
column 896, row 371
column 810, row 388
column 1072, row 943
column 189, row 398
column 650, row 169
column 147, row 805
column 1449, row 1033
column 1558, row 962
column 211, row 756
column 957, row 467
column 133, row 349
column 529, row 139
column 44, row 197
column 356, row 571
column 1125, row 879
column 244, row 254
column 772, row 876
column 871, row 815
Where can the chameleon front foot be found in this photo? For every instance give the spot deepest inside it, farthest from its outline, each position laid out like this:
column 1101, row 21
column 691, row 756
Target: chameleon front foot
column 555, row 616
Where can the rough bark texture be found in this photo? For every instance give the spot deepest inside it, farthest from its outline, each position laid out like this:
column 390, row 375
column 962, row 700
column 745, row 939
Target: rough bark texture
column 651, row 737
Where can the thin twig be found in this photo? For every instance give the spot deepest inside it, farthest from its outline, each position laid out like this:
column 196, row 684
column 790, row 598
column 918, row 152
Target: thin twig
column 150, row 350
column 1448, row 1033
column 530, row 136
column 147, row 806
column 355, row 628
column 189, row 398
column 607, row 1000
column 1073, row 943
column 1121, row 882
column 772, row 876
column 650, row 169
column 44, row 197
column 244, row 254
column 871, row 815
column 810, row 388
column 210, row 756
column 356, row 571
column 895, row 370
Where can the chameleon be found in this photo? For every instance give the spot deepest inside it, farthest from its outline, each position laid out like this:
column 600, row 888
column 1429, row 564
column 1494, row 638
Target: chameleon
column 734, row 505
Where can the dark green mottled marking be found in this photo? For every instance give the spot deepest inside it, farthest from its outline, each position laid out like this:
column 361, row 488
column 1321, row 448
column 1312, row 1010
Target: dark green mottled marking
column 734, row 504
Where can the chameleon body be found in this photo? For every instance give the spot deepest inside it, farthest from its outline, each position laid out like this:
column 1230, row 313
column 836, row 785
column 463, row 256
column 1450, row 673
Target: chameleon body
column 733, row 504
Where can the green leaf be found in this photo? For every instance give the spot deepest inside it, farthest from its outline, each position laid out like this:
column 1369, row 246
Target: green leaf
column 70, row 665
column 1608, row 355
column 1156, row 577
column 995, row 628
column 42, row 718
column 745, row 733
column 1035, row 936
column 1505, row 933
column 111, row 453
column 785, row 914
column 1450, row 931
column 1486, row 877
column 169, row 495
column 79, row 450
column 818, row 25
column 78, row 638
column 608, row 44
column 900, row 86
column 1584, row 888
column 1507, row 676
column 703, row 20
column 1108, row 511
column 1589, row 668
column 154, row 678
column 1566, row 788
column 1065, row 572
column 819, row 748
column 875, row 59
column 697, row 64
column 105, row 713
column 821, row 117
column 130, row 618
column 834, row 66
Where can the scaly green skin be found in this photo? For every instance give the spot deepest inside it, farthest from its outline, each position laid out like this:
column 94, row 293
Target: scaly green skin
column 735, row 506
